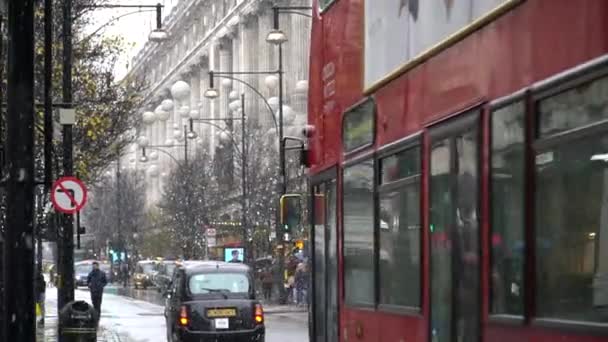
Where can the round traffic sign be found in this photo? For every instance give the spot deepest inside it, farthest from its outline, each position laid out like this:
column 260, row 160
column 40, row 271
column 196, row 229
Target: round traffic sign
column 68, row 195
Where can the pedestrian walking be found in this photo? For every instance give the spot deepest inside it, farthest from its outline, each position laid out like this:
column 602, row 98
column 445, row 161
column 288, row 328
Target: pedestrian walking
column 267, row 281
column 124, row 270
column 96, row 281
column 301, row 280
column 40, row 295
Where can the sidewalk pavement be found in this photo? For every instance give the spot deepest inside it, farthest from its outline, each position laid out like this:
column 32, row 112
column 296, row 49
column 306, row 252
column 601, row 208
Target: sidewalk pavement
column 47, row 332
column 281, row 309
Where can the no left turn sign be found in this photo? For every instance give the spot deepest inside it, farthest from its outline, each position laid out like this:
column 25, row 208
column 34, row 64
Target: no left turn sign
column 68, row 195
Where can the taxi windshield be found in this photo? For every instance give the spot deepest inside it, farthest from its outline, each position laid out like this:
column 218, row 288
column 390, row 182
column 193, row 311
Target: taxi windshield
column 205, row 283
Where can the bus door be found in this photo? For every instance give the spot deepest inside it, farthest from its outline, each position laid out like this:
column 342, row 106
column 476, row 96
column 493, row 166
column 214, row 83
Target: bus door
column 324, row 320
column 454, row 230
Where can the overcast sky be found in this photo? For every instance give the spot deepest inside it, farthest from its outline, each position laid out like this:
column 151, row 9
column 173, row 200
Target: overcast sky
column 134, row 28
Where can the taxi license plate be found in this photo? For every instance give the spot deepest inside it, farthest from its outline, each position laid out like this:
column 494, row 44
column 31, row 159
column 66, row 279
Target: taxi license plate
column 221, row 323
column 221, row 312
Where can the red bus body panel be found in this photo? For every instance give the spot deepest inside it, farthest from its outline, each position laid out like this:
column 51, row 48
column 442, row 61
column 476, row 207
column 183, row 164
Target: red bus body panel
column 531, row 42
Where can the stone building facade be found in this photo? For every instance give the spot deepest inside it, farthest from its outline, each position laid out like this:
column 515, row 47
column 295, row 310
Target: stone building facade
column 221, row 36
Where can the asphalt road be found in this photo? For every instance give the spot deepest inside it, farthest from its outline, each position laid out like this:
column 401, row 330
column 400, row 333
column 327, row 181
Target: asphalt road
column 131, row 320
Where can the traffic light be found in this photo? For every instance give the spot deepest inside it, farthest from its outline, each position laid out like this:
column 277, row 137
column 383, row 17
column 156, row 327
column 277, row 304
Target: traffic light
column 291, row 211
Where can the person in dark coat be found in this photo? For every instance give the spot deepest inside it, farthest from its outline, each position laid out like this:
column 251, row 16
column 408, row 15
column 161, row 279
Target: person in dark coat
column 267, row 281
column 96, row 281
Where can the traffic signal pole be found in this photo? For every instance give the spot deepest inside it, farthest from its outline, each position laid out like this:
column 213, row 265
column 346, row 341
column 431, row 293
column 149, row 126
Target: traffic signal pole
column 65, row 286
column 18, row 298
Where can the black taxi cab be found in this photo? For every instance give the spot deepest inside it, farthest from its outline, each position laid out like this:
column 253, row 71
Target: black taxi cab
column 213, row 301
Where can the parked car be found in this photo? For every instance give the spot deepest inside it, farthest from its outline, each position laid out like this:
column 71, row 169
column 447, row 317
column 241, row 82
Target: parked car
column 162, row 278
column 213, row 301
column 144, row 273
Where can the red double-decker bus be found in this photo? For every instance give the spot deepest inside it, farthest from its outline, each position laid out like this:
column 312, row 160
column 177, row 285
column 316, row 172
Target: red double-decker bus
column 459, row 172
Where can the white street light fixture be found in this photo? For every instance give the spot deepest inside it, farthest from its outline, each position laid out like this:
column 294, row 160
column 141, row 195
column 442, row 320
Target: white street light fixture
column 175, row 126
column 153, row 155
column 276, row 37
column 212, row 93
column 143, row 159
column 192, row 135
column 143, row 141
column 169, row 142
column 226, row 82
column 158, row 36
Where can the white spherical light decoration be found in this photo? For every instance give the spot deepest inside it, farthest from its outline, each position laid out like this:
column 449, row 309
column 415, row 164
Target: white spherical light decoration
column 234, row 95
column 234, row 105
column 302, row 87
column 148, row 117
column 164, row 175
column 184, row 111
column 177, row 134
column 226, row 82
column 167, row 105
column 224, row 137
column 153, row 155
column 133, row 148
column 180, row 90
column 153, row 171
column 143, row 141
column 272, row 81
column 199, row 141
column 169, row 142
column 274, row 103
column 288, row 115
column 164, row 116
column 175, row 126
column 132, row 160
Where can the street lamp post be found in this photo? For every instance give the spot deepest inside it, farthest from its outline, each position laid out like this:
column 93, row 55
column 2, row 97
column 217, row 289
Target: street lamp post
column 243, row 155
column 278, row 37
column 65, row 289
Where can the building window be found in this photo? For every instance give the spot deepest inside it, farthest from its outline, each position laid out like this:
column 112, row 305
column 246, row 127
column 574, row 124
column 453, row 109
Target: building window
column 507, row 229
column 324, row 3
column 358, row 126
column 571, row 211
column 399, row 229
column 573, row 108
column 359, row 266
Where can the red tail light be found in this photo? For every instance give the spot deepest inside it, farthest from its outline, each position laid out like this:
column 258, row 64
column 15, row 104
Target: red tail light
column 183, row 316
column 258, row 314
